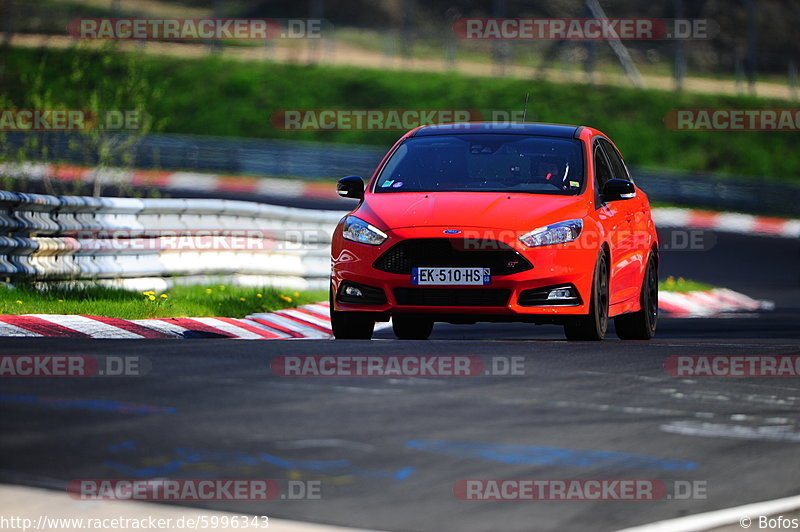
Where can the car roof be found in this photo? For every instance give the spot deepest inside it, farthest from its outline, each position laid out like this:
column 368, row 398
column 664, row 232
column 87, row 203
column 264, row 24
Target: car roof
column 514, row 128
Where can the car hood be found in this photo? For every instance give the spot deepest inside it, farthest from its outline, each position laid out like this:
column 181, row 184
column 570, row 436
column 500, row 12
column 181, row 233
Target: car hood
column 469, row 209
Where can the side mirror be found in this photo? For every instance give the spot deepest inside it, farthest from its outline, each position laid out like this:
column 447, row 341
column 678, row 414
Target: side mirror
column 350, row 187
column 618, row 189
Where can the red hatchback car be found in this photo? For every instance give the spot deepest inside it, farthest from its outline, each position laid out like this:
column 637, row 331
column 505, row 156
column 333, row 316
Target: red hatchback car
column 496, row 222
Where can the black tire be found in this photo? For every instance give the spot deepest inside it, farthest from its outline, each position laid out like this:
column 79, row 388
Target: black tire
column 593, row 327
column 408, row 327
column 350, row 325
column 642, row 325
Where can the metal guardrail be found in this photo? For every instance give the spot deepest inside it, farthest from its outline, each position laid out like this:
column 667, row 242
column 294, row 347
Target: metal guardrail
column 763, row 196
column 314, row 160
column 307, row 160
column 50, row 238
column 155, row 243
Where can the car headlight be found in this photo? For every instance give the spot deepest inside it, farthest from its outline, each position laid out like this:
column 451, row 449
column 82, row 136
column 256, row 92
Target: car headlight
column 358, row 230
column 559, row 233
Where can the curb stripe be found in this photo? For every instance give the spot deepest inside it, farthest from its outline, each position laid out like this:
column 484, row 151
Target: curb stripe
column 307, row 315
column 278, row 335
column 233, row 329
column 707, row 303
column 171, row 330
column 323, row 311
column 266, row 322
column 87, row 326
column 302, row 328
column 249, row 326
column 191, row 325
column 42, row 327
column 131, row 326
column 7, row 329
column 305, row 321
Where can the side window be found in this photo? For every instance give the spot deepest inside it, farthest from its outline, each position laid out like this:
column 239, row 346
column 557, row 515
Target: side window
column 617, row 166
column 602, row 171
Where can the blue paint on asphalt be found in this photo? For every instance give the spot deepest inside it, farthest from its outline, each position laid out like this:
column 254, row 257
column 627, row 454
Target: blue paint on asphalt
column 88, row 404
column 183, row 457
column 551, row 456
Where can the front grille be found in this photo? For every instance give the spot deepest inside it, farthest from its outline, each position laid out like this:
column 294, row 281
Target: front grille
column 452, row 297
column 452, row 252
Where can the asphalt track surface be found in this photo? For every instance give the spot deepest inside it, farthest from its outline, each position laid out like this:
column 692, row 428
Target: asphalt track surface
column 389, row 451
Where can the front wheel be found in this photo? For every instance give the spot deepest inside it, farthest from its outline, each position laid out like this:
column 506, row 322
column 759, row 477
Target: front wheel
column 350, row 325
column 593, row 326
column 408, row 327
column 642, row 325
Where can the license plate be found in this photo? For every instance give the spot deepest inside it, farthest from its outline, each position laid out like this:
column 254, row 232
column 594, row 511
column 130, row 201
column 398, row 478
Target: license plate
column 451, row 276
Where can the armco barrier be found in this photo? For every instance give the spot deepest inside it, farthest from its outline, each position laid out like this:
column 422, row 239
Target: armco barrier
column 56, row 238
column 319, row 160
column 152, row 243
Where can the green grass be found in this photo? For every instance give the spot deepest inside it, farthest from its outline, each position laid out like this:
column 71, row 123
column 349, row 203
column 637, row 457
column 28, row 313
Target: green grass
column 670, row 284
column 180, row 301
column 183, row 301
column 216, row 96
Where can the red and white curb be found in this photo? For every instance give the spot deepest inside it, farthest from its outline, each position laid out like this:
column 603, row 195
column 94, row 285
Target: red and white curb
column 296, row 188
column 698, row 304
column 731, row 222
column 307, row 321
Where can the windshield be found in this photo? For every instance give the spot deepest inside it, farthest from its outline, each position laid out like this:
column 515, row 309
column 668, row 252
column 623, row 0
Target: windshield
column 484, row 163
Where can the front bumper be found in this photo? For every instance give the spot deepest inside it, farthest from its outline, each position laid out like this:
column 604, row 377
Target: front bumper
column 569, row 264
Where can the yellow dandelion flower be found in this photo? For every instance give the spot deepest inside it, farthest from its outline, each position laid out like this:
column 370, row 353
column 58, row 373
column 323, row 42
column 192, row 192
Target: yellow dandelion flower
column 222, row 287
column 241, row 299
column 151, row 298
column 163, row 296
column 19, row 301
column 60, row 300
column 259, row 296
column 208, row 290
column 296, row 294
column 286, row 298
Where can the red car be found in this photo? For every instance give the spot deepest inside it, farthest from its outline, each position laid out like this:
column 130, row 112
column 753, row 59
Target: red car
column 496, row 222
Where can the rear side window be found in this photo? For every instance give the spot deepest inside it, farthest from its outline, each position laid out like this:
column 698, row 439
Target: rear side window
column 602, row 170
column 618, row 168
